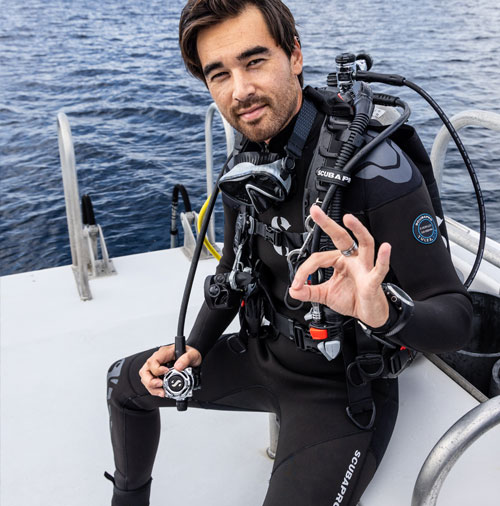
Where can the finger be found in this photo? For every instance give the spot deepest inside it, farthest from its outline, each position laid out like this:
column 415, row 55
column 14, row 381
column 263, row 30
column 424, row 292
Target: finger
column 155, row 385
column 156, row 368
column 159, row 358
column 337, row 234
column 383, row 262
column 192, row 358
column 147, row 378
column 308, row 293
column 312, row 264
column 152, row 383
column 366, row 243
column 145, row 375
column 159, row 392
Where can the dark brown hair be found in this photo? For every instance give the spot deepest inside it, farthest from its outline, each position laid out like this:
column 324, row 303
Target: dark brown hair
column 199, row 14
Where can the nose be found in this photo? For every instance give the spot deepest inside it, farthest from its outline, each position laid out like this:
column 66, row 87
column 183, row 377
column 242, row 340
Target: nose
column 243, row 88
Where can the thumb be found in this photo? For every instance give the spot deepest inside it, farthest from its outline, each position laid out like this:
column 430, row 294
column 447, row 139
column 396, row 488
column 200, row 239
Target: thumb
column 192, row 357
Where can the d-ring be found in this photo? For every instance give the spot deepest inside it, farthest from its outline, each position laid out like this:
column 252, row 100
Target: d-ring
column 350, row 251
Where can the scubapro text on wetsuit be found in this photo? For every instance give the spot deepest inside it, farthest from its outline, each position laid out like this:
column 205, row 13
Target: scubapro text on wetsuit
column 347, row 478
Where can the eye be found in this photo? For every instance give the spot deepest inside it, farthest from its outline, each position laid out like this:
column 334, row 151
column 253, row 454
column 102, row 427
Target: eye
column 252, row 63
column 218, row 76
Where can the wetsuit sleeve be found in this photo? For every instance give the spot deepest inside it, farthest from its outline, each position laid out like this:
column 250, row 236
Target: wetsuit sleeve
column 211, row 323
column 421, row 265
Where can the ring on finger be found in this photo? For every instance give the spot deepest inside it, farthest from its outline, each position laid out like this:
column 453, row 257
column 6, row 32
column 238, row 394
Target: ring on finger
column 348, row 252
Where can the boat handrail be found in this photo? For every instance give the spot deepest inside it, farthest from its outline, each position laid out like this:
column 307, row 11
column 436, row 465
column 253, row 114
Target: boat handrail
column 212, row 109
column 457, row 233
column 469, row 240
column 83, row 240
column 472, row 117
column 450, row 447
column 79, row 253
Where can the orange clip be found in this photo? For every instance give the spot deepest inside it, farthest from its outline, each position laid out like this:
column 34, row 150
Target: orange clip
column 318, row 334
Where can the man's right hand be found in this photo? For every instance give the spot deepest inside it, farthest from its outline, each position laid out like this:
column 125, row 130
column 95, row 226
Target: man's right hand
column 153, row 368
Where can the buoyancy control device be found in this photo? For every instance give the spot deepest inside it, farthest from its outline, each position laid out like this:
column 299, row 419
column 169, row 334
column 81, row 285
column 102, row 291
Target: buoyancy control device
column 257, row 182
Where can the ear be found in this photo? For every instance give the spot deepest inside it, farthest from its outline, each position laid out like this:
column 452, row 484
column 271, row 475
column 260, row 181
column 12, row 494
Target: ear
column 296, row 59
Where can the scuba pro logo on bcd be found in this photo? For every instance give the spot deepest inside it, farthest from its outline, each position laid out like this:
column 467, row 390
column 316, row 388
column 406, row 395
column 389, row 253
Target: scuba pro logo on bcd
column 425, row 229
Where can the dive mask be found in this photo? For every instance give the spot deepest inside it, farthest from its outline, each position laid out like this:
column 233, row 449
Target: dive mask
column 258, row 179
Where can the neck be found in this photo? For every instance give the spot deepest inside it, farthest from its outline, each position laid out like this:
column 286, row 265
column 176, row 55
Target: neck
column 295, row 112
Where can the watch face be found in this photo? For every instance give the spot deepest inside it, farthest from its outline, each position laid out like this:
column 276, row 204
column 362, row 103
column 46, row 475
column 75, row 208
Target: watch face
column 400, row 294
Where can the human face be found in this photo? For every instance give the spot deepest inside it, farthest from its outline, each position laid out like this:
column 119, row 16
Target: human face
column 250, row 77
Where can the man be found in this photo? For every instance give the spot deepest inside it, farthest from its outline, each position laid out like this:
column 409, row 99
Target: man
column 248, row 54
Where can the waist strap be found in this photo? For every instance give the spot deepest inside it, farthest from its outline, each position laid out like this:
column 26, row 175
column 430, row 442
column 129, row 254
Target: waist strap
column 294, row 331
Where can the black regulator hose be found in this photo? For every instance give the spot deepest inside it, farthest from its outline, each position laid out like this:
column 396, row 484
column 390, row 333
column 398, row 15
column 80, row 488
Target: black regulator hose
column 363, row 103
column 196, row 256
column 336, row 196
column 332, row 203
column 378, row 99
column 397, row 80
column 386, row 133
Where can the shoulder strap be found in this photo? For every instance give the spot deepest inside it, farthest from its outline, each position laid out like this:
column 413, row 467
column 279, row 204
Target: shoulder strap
column 301, row 130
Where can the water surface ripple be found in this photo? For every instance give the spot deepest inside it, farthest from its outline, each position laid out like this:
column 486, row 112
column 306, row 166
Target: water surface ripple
column 138, row 119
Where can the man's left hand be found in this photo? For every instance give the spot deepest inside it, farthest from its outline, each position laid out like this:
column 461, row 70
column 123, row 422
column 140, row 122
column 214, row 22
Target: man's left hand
column 355, row 287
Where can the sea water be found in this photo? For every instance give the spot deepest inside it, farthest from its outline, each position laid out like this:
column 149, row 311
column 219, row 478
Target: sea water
column 137, row 117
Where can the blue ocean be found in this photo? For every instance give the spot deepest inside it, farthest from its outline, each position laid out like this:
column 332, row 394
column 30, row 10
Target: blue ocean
column 137, row 117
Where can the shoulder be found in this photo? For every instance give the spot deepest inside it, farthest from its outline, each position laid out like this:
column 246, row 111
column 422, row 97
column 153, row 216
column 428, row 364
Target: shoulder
column 386, row 174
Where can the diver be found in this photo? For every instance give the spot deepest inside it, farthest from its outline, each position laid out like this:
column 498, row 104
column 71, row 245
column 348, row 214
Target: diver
column 323, row 335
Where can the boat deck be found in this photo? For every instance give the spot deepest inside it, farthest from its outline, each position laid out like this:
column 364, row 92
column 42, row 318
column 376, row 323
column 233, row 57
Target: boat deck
column 55, row 351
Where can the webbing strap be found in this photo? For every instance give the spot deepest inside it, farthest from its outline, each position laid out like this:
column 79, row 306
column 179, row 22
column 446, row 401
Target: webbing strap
column 361, row 408
column 275, row 236
column 303, row 126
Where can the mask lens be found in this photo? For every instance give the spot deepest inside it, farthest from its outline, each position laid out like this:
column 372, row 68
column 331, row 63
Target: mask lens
column 259, row 185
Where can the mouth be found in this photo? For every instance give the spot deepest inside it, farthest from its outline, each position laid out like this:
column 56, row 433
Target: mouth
column 252, row 113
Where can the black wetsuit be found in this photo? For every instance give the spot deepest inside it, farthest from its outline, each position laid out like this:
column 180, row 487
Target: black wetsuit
column 322, row 458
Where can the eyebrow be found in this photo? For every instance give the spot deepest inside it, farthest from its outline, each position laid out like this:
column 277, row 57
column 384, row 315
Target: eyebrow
column 210, row 67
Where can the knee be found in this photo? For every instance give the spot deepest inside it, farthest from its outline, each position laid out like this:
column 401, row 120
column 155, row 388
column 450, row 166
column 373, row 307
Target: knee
column 114, row 380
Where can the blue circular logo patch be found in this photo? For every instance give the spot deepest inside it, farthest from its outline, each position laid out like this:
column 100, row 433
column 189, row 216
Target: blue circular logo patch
column 425, row 229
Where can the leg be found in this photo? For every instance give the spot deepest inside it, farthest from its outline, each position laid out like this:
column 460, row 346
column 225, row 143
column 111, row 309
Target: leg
column 229, row 381
column 322, row 458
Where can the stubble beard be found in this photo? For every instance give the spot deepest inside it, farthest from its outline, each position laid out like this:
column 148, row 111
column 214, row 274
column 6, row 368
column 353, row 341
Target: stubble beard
column 275, row 118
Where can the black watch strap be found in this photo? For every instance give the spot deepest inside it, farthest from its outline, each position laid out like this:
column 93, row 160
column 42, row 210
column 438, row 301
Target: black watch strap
column 401, row 308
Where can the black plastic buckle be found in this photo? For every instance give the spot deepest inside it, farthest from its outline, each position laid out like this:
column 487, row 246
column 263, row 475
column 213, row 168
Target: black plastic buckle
column 288, row 164
column 365, row 368
column 300, row 336
column 297, row 334
column 236, row 344
column 352, row 413
column 399, row 361
column 273, row 236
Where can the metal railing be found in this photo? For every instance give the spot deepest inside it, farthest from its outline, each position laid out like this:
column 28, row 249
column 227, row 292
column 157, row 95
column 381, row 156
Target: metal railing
column 449, row 449
column 469, row 240
column 84, row 240
column 485, row 119
column 458, row 233
column 79, row 253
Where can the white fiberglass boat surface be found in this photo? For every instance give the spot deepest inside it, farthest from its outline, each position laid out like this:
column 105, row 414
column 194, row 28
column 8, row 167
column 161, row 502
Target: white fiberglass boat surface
column 55, row 352
column 55, row 442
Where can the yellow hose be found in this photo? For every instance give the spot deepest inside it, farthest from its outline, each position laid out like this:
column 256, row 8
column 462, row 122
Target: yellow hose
column 206, row 242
